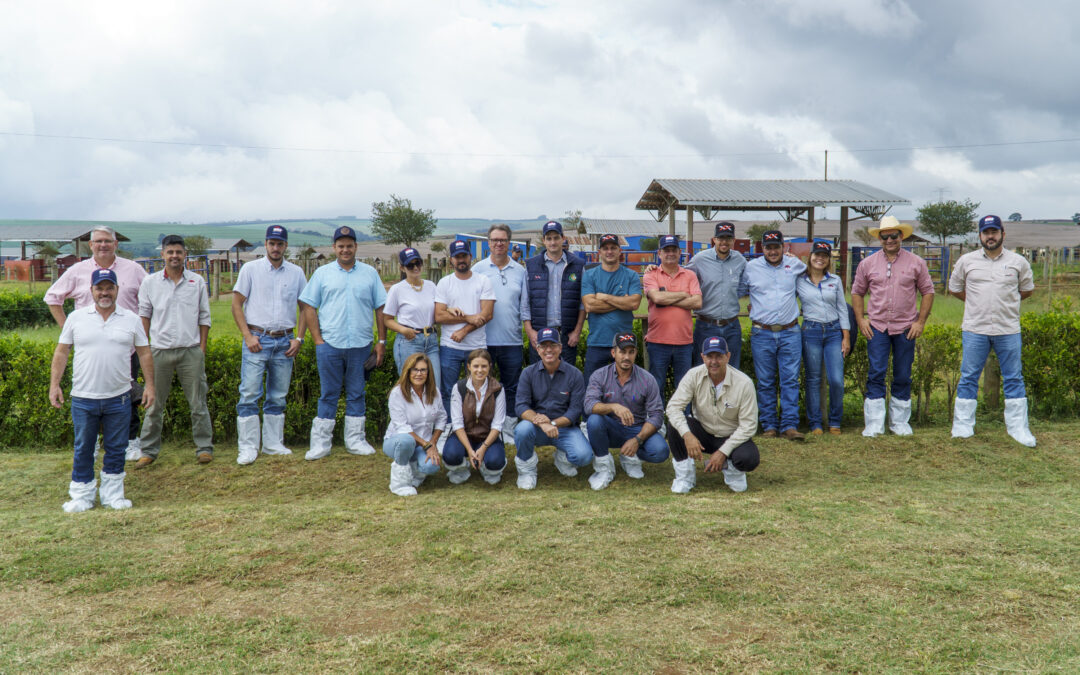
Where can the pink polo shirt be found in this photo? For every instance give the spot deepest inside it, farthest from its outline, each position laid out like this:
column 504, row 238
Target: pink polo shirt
column 668, row 324
column 74, row 283
column 893, row 289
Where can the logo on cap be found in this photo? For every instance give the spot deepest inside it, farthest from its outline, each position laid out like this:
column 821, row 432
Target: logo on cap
column 458, row 247
column 714, row 345
column 772, row 237
column 552, row 226
column 669, row 240
column 725, row 229
column 623, row 340
column 102, row 275
column 609, row 239
column 547, row 335
column 822, row 246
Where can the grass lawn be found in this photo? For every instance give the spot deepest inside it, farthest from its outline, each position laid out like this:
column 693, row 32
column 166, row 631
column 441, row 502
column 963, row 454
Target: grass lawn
column 917, row 554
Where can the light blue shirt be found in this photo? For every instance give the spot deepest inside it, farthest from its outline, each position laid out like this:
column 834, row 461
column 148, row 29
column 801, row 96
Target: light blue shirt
column 719, row 281
column 346, row 300
column 270, row 293
column 771, row 289
column 823, row 302
column 505, row 326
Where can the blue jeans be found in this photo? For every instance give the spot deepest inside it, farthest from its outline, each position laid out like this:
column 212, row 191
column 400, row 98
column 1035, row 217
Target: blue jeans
column 111, row 415
column 509, row 359
column 337, row 367
column 976, row 349
column 450, row 361
column 732, row 332
column 428, row 344
column 270, row 363
column 570, row 440
column 822, row 343
column 606, row 432
column 403, row 448
column 777, row 355
column 662, row 356
column 877, row 356
column 454, row 453
column 595, row 359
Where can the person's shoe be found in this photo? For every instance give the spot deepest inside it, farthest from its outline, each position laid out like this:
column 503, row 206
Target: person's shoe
column 82, row 497
column 111, row 492
column 526, row 471
column 273, row 435
column 899, row 414
column 733, row 478
column 768, row 433
column 1016, row 421
column 356, row 437
column 873, row 417
column 563, row 464
column 963, row 423
column 134, row 450
column 457, row 474
column 247, row 439
column 794, row 435
column 603, row 472
column 204, row 457
column 322, row 432
column 401, row 478
column 816, row 432
column 685, row 476
column 144, row 461
column 835, row 431
column 632, row 466
column 491, row 476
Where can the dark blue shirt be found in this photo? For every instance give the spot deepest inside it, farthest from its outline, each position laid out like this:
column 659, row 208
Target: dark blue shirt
column 558, row 395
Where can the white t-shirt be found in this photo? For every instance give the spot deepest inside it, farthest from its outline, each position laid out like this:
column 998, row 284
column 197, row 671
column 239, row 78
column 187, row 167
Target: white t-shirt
column 409, row 307
column 465, row 294
column 102, row 364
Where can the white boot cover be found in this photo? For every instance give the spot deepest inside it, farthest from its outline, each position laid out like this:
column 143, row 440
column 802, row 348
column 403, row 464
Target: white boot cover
column 82, row 497
column 491, row 477
column 603, row 472
column 322, row 431
column 457, row 474
column 356, row 437
column 899, row 414
column 733, row 478
column 685, row 476
column 1016, row 421
column 401, row 477
column 963, row 418
column 134, row 450
column 247, row 439
column 112, row 491
column 563, row 464
column 273, row 435
column 873, row 417
column 631, row 466
column 418, row 476
column 526, row 470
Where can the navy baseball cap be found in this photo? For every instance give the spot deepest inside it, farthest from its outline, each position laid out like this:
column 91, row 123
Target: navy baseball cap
column 552, row 226
column 772, row 237
column 668, row 240
column 822, row 247
column 609, row 239
column 344, row 231
column 988, row 222
column 624, row 340
column 103, row 275
column 714, row 345
column 547, row 335
column 724, row 229
column 458, row 247
column 408, row 255
column 277, row 232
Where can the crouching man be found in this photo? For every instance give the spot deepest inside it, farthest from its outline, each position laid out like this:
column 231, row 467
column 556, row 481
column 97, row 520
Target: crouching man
column 722, row 420
column 104, row 336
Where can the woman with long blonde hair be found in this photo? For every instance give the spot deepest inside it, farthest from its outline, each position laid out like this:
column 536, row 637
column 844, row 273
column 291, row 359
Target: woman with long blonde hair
column 417, row 418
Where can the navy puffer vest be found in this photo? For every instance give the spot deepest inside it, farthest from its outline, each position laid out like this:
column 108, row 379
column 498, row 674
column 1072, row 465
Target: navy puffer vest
column 536, row 276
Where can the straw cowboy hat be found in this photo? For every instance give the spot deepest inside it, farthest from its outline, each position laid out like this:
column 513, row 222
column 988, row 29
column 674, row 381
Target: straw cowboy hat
column 891, row 223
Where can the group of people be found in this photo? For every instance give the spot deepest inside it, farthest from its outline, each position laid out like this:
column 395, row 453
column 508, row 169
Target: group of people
column 475, row 318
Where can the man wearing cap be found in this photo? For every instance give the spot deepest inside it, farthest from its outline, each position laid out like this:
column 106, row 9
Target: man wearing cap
column 722, row 421
column 775, row 339
column 624, row 411
column 549, row 404
column 901, row 295
column 265, row 303
column 610, row 292
column 75, row 284
column 507, row 279
column 673, row 291
column 338, row 304
column 551, row 295
column 718, row 270
column 464, row 304
column 174, row 305
column 991, row 282
column 103, row 335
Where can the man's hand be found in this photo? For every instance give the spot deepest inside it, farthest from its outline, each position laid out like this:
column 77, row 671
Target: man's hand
column 624, row 414
column 147, row 397
column 550, row 429
column 693, row 445
column 865, row 328
column 716, row 462
column 915, row 330
column 294, row 348
column 474, row 320
column 56, row 397
column 573, row 338
column 540, row 419
column 252, row 343
column 630, row 448
column 380, row 353
column 459, row 335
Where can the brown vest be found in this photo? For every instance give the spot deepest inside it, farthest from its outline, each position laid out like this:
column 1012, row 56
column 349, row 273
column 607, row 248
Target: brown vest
column 478, row 426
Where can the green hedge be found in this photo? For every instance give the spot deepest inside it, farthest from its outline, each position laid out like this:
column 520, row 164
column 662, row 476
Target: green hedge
column 1051, row 343
column 26, row 310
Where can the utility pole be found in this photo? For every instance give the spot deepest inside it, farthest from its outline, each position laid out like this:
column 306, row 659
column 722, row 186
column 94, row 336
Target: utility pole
column 941, row 194
column 826, row 165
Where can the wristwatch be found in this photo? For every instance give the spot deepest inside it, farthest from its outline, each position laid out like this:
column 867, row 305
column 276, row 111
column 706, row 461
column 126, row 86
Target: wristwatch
column 382, row 342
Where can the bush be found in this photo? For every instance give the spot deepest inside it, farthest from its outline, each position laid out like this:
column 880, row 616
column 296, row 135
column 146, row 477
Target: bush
column 26, row 310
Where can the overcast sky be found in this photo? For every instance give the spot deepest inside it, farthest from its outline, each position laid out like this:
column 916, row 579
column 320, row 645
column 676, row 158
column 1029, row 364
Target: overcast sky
column 515, row 109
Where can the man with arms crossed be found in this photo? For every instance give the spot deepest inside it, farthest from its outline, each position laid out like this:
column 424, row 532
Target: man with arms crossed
column 610, row 292
column 672, row 291
column 551, row 294
column 718, row 270
column 104, row 336
column 264, row 307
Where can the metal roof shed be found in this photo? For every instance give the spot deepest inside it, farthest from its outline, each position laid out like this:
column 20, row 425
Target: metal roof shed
column 76, row 234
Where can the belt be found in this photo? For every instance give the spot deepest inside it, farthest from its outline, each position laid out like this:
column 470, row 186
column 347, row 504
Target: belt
column 423, row 331
column 716, row 322
column 775, row 327
column 269, row 333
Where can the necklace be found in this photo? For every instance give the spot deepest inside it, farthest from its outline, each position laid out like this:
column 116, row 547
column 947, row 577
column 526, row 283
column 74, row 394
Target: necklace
column 416, row 288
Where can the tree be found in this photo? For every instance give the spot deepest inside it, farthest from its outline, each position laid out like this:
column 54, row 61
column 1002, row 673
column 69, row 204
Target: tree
column 197, row 244
column 649, row 243
column 438, row 247
column 397, row 222
column 46, row 249
column 863, row 235
column 1016, row 217
column 948, row 219
column 1076, row 219
column 572, row 222
column 755, row 232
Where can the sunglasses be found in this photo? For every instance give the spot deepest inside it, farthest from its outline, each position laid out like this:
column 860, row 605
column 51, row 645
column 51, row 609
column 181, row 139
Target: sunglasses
column 414, row 265
column 888, row 237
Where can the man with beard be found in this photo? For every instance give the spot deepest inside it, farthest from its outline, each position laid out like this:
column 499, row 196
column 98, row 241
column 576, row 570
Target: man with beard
column 992, row 282
column 718, row 270
column 610, row 292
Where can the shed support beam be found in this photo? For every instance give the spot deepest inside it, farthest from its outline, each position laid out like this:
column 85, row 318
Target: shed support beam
column 689, row 234
column 671, row 219
column 810, row 225
column 843, row 271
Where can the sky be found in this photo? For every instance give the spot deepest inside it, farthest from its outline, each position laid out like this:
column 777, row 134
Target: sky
column 200, row 111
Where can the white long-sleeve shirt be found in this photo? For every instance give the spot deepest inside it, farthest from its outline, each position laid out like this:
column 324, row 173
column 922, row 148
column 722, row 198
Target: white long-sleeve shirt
column 416, row 416
column 457, row 413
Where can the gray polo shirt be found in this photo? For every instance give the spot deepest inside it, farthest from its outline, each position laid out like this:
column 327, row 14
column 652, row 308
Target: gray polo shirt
column 175, row 310
column 640, row 394
column 719, row 281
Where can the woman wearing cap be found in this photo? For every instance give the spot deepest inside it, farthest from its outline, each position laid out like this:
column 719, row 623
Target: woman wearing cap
column 477, row 413
column 417, row 418
column 825, row 336
column 410, row 312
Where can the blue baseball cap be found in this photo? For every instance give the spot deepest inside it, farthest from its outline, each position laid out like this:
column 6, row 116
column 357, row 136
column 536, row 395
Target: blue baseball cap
column 552, row 226
column 103, row 275
column 344, row 231
column 990, row 222
column 277, row 232
column 668, row 240
column 458, row 247
column 408, row 255
column 714, row 345
column 547, row 335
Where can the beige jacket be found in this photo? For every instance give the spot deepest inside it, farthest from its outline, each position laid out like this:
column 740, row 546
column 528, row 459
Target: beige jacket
column 733, row 413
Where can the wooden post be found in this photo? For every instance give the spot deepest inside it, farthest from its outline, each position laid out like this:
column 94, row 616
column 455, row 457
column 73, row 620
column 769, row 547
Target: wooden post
column 810, row 225
column 671, row 219
column 843, row 271
column 217, row 281
column 992, row 382
column 689, row 233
